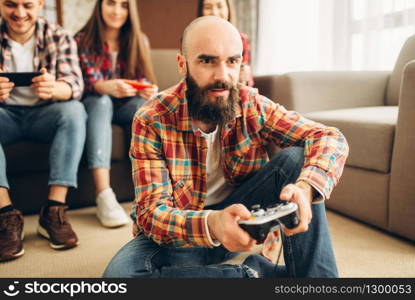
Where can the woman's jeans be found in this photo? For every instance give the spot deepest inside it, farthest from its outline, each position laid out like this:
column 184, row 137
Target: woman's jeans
column 308, row 254
column 60, row 123
column 102, row 112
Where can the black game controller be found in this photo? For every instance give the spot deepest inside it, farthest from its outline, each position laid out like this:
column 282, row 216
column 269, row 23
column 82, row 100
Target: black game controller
column 263, row 221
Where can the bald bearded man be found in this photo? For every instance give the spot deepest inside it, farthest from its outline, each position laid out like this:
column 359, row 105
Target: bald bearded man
column 199, row 160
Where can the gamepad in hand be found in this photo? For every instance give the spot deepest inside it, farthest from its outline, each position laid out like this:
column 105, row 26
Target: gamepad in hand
column 263, row 221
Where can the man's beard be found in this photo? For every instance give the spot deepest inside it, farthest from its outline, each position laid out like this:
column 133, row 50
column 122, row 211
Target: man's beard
column 220, row 111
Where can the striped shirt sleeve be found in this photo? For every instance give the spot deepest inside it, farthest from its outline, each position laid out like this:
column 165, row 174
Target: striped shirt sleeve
column 68, row 69
column 325, row 148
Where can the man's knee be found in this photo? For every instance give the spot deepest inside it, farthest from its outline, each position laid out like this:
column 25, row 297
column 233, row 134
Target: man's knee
column 135, row 259
column 289, row 161
column 71, row 112
column 120, row 268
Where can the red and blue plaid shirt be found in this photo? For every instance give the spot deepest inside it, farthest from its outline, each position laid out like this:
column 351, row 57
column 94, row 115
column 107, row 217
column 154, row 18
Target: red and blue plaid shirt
column 96, row 68
column 169, row 159
column 246, row 55
column 55, row 50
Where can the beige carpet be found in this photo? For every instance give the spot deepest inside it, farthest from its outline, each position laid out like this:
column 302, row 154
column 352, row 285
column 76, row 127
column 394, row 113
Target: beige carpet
column 361, row 251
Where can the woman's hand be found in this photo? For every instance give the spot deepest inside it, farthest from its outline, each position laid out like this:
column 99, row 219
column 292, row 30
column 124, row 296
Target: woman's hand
column 149, row 92
column 116, row 88
column 6, row 87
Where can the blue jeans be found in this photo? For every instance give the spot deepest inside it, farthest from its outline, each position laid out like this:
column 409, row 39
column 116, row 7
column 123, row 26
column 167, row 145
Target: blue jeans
column 308, row 254
column 102, row 111
column 60, row 123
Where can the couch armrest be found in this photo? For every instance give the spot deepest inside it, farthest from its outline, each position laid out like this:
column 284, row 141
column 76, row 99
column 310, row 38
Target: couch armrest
column 402, row 187
column 315, row 91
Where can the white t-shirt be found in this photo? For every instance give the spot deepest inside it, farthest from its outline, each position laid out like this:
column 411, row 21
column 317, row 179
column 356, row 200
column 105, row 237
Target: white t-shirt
column 22, row 61
column 217, row 188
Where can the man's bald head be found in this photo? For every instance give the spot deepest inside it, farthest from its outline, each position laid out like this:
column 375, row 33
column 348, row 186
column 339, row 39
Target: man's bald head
column 211, row 28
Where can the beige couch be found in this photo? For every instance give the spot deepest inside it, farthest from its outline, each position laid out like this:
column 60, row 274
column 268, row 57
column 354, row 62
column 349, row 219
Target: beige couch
column 376, row 112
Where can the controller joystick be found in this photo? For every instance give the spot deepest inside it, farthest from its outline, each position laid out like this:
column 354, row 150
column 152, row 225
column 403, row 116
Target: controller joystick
column 263, row 221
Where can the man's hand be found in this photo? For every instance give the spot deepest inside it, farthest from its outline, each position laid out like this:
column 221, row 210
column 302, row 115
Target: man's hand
column 149, row 92
column 270, row 245
column 223, row 226
column 6, row 87
column 300, row 193
column 44, row 85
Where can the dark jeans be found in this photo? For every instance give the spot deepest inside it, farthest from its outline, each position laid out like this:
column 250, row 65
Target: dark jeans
column 60, row 123
column 308, row 254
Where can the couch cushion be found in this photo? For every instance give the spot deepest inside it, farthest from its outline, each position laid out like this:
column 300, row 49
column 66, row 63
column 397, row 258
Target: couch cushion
column 369, row 132
column 28, row 156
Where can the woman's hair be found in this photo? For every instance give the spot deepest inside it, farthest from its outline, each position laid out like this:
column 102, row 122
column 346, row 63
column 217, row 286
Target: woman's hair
column 231, row 9
column 134, row 51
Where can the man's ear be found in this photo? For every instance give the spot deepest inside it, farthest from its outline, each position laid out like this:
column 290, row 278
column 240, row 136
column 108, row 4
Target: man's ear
column 181, row 64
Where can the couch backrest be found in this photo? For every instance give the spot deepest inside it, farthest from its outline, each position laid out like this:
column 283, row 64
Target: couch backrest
column 407, row 54
column 165, row 67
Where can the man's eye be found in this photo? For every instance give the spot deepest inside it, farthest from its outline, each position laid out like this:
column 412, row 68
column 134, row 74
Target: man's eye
column 206, row 60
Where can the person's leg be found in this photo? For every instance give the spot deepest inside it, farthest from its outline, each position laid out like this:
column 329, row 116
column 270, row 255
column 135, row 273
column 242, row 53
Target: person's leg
column 125, row 110
column 98, row 147
column 99, row 138
column 308, row 254
column 11, row 220
column 10, row 132
column 62, row 124
column 141, row 257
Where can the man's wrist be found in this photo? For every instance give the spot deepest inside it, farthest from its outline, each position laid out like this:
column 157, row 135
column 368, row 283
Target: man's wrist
column 209, row 224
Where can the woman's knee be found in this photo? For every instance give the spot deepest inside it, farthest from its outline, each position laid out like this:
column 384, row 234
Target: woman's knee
column 98, row 105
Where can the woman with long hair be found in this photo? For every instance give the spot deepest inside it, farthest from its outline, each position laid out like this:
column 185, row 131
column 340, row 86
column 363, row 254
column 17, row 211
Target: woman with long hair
column 224, row 9
column 115, row 60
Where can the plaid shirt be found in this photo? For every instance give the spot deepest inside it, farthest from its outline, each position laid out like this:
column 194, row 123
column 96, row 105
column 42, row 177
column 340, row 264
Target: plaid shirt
column 246, row 51
column 96, row 68
column 169, row 159
column 55, row 50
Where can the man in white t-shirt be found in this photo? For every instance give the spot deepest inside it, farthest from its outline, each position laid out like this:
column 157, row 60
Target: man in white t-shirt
column 45, row 111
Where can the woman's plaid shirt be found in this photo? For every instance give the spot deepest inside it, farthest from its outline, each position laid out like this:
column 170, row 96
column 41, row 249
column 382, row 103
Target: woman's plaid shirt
column 169, row 159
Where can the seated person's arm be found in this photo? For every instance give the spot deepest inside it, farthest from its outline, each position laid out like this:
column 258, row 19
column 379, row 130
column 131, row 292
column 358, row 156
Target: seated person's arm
column 6, row 86
column 325, row 148
column 47, row 88
column 68, row 82
column 245, row 75
column 114, row 87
